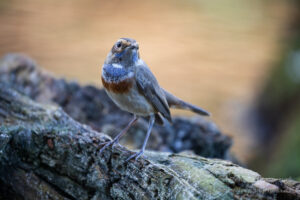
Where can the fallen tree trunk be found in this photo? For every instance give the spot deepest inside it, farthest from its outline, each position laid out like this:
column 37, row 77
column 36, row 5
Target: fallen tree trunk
column 93, row 107
column 45, row 154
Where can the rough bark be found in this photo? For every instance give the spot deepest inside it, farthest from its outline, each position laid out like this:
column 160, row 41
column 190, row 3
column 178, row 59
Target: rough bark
column 93, row 107
column 45, row 154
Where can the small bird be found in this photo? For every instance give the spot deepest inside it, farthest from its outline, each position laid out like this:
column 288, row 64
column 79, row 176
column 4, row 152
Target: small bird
column 132, row 87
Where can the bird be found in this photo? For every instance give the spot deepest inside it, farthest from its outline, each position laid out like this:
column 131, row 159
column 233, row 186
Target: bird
column 132, row 86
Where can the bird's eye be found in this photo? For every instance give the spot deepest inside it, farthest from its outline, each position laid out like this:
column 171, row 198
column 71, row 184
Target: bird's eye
column 119, row 45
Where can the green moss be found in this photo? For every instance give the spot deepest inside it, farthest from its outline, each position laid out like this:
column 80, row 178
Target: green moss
column 231, row 173
column 199, row 178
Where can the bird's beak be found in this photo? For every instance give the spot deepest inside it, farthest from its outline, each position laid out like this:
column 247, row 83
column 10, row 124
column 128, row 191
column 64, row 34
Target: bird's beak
column 134, row 46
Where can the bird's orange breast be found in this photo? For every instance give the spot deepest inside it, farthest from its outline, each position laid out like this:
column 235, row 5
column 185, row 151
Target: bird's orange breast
column 118, row 87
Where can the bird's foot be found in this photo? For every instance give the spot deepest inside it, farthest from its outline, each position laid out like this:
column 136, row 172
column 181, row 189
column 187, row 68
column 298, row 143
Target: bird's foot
column 106, row 144
column 110, row 143
column 136, row 156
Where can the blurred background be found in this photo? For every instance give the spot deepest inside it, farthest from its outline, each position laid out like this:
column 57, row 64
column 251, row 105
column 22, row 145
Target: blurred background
column 239, row 59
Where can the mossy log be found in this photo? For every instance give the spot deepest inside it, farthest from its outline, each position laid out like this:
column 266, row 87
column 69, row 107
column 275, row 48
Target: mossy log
column 45, row 154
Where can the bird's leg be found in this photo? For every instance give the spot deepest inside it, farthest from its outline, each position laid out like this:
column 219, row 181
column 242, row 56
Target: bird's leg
column 141, row 152
column 116, row 139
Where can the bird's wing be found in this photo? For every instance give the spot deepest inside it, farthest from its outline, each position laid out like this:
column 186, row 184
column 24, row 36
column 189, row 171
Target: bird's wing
column 149, row 87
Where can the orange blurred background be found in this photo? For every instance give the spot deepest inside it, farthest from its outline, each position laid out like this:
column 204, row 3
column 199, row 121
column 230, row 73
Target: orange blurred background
column 214, row 54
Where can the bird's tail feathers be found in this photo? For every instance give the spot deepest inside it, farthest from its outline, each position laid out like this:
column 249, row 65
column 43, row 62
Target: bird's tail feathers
column 175, row 102
column 193, row 108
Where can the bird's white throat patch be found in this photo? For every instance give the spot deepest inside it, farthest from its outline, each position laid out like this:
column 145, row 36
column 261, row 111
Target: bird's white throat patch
column 139, row 62
column 118, row 66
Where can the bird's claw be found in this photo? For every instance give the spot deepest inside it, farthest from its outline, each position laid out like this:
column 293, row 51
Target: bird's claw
column 112, row 143
column 106, row 144
column 135, row 156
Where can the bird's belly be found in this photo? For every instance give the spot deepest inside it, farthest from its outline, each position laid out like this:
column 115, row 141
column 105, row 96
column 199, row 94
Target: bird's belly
column 132, row 102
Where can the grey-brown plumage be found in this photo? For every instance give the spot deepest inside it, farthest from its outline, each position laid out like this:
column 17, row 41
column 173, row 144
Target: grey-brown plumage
column 131, row 85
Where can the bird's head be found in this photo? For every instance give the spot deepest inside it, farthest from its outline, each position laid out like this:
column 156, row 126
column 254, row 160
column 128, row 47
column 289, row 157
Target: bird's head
column 124, row 51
